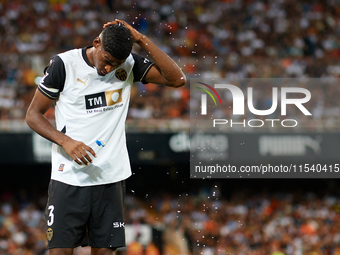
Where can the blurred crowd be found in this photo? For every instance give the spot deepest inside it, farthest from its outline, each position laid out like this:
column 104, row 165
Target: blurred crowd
column 205, row 223
column 208, row 39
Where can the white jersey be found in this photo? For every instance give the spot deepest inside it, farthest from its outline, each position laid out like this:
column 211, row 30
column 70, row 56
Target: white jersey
column 92, row 109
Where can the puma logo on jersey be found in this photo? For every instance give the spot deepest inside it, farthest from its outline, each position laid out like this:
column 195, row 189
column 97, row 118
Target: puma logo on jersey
column 84, row 82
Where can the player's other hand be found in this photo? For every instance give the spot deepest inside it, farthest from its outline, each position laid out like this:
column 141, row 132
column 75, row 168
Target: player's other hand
column 78, row 151
column 137, row 36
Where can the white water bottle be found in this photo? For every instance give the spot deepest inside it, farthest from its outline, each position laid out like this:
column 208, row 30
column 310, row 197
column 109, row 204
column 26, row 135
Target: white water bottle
column 99, row 145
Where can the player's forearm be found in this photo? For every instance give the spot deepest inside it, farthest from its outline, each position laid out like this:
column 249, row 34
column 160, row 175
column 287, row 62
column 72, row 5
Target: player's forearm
column 172, row 74
column 75, row 149
column 43, row 127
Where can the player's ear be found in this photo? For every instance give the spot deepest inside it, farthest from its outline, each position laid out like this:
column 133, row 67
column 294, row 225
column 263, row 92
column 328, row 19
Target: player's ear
column 96, row 42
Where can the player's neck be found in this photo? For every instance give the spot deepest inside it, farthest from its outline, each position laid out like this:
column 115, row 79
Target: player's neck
column 89, row 55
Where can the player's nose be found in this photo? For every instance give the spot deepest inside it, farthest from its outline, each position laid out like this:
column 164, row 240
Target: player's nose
column 108, row 68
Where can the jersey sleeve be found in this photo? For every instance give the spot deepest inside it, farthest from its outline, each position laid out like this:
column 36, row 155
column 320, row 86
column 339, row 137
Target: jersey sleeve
column 141, row 68
column 54, row 79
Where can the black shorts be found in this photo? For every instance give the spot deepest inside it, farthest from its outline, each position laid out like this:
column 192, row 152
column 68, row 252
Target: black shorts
column 85, row 216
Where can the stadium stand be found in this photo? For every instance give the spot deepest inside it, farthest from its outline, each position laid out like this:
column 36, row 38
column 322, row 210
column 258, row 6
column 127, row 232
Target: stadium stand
column 219, row 39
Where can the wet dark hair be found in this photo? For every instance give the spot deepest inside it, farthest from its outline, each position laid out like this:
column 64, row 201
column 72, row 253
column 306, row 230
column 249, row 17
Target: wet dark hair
column 117, row 41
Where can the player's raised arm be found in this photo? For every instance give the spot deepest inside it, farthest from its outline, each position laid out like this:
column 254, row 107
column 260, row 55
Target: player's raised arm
column 165, row 71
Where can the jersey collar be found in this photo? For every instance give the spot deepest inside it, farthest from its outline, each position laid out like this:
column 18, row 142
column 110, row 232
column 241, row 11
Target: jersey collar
column 85, row 57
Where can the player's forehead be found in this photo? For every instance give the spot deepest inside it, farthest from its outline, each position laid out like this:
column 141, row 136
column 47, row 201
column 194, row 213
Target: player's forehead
column 109, row 58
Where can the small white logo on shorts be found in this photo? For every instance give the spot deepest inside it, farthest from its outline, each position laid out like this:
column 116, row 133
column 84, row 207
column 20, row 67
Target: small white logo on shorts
column 119, row 224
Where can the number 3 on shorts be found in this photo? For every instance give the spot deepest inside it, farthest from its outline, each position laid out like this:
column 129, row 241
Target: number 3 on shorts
column 50, row 221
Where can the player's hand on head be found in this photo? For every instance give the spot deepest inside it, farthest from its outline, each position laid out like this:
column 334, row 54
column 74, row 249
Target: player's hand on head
column 137, row 36
column 78, row 151
column 110, row 23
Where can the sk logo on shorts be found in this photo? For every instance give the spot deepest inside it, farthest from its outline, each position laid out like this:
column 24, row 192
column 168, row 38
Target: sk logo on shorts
column 119, row 224
column 121, row 74
column 49, row 234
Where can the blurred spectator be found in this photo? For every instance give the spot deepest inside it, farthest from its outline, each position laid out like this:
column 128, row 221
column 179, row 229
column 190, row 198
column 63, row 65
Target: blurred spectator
column 135, row 248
